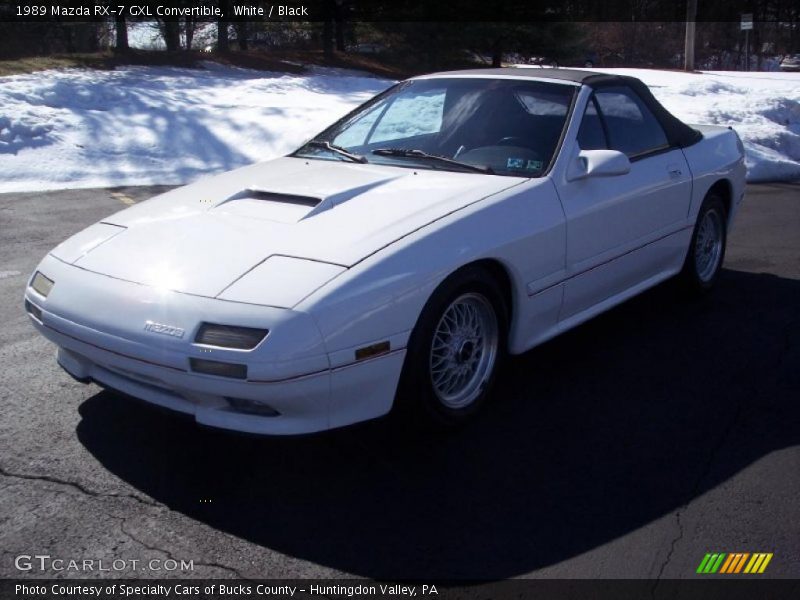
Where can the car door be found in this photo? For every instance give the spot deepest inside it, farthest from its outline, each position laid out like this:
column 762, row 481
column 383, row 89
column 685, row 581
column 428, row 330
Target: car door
column 621, row 230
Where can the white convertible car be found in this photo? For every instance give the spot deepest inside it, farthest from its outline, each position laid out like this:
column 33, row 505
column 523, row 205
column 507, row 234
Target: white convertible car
column 397, row 257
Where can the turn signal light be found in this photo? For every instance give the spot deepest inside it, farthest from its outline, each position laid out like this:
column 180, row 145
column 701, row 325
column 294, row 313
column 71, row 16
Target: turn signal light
column 220, row 369
column 33, row 310
column 373, row 350
column 252, row 407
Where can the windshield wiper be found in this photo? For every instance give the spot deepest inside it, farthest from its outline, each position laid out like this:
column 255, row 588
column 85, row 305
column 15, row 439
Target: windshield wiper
column 409, row 153
column 337, row 150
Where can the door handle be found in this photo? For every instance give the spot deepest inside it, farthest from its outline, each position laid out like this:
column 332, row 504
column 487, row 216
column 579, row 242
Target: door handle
column 674, row 171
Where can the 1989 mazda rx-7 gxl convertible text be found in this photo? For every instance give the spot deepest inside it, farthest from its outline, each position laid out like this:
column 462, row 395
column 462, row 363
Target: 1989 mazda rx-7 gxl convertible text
column 397, row 257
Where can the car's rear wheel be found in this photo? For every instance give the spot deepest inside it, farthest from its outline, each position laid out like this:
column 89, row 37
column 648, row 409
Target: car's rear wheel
column 455, row 350
column 707, row 248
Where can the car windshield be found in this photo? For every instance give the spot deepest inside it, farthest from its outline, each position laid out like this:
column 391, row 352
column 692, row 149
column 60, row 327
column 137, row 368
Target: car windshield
column 498, row 126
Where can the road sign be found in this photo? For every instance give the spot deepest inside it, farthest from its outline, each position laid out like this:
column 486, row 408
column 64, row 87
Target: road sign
column 747, row 21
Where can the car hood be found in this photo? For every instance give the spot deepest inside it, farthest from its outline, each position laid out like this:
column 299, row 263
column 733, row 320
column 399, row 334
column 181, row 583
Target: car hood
column 202, row 237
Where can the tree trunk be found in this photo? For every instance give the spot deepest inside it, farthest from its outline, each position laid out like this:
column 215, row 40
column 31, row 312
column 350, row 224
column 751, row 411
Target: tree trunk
column 172, row 36
column 122, row 34
column 327, row 28
column 82, row 37
column 327, row 38
column 223, row 43
column 241, row 35
column 190, row 25
column 339, row 18
column 630, row 46
column 497, row 54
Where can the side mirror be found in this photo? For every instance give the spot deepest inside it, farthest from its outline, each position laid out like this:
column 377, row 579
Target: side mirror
column 598, row 163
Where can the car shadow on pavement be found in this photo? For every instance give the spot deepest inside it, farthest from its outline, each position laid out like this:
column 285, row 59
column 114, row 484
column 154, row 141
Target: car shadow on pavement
column 591, row 436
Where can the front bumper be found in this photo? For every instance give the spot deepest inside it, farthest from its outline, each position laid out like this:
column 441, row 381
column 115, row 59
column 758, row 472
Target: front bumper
column 295, row 381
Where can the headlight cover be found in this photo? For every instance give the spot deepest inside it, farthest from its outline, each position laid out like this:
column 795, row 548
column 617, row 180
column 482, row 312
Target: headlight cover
column 281, row 281
column 80, row 244
column 41, row 284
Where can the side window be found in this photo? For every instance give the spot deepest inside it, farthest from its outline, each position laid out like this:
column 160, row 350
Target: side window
column 540, row 103
column 591, row 135
column 632, row 128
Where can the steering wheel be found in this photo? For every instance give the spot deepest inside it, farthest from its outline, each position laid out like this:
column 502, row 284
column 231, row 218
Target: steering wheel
column 512, row 140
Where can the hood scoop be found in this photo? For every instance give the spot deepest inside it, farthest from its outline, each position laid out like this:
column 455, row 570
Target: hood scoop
column 258, row 194
column 257, row 203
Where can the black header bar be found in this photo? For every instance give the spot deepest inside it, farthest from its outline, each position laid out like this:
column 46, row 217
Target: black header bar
column 389, row 10
column 710, row 588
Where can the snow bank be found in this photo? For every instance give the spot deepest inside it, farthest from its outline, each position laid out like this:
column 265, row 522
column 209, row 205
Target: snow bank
column 148, row 125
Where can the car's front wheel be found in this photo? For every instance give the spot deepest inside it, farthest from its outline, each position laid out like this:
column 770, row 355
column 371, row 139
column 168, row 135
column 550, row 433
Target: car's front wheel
column 455, row 350
column 707, row 249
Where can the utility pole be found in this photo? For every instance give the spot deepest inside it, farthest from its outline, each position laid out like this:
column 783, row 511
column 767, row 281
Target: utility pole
column 688, row 50
column 747, row 26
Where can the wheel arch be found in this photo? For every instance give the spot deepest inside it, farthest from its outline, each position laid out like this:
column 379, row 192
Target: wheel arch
column 723, row 188
column 500, row 273
column 416, row 391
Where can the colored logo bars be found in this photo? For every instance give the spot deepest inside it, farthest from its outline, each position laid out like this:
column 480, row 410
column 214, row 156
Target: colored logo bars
column 736, row 562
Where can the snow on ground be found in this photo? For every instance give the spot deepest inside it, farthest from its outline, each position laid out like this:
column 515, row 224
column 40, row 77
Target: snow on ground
column 147, row 125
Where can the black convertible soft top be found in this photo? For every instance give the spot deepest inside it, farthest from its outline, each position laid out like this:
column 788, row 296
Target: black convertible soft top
column 678, row 133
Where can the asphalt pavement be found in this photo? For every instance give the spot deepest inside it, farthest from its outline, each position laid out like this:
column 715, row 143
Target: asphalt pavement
column 629, row 447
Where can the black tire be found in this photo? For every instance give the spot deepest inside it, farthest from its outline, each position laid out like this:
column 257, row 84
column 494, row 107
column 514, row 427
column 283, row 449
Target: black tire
column 417, row 399
column 694, row 277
